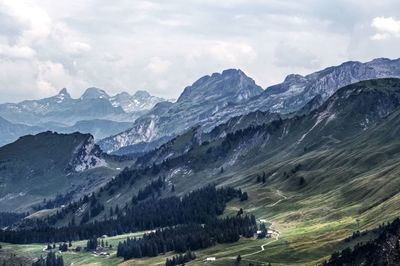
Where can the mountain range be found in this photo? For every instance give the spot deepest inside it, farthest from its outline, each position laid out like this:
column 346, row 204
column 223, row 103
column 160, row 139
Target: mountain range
column 314, row 159
column 318, row 175
column 215, row 99
column 95, row 112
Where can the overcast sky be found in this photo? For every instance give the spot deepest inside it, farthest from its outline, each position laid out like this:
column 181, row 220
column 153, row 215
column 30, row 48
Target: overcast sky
column 163, row 46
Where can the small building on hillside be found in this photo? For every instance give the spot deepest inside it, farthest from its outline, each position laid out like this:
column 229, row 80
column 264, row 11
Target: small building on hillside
column 211, row 259
column 268, row 233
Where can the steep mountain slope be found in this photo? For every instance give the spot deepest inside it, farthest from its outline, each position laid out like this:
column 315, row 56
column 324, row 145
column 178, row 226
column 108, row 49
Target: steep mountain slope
column 353, row 114
column 325, row 174
column 40, row 166
column 296, row 90
column 197, row 103
column 384, row 250
column 289, row 96
column 196, row 136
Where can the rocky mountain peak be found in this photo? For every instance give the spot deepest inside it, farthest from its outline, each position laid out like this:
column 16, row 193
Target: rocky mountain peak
column 232, row 84
column 381, row 60
column 94, row 93
column 293, row 78
column 64, row 92
column 62, row 96
column 142, row 94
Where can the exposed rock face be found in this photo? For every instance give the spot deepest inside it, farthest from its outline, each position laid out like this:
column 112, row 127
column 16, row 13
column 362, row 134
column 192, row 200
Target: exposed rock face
column 297, row 90
column 87, row 156
column 197, row 103
column 213, row 100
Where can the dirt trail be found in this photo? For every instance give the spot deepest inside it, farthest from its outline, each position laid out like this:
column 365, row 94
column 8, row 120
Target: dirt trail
column 276, row 232
column 262, row 248
column 278, row 201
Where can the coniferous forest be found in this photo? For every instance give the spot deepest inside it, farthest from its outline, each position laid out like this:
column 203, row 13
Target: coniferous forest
column 183, row 238
column 201, row 206
column 384, row 250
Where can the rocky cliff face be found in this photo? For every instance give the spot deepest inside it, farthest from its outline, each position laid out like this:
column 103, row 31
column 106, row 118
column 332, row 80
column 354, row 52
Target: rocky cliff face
column 87, row 155
column 197, row 104
column 213, row 100
column 297, row 90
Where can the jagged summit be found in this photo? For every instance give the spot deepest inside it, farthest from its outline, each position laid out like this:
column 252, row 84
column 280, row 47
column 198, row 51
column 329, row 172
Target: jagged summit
column 65, row 92
column 293, row 77
column 232, row 93
column 229, row 82
column 61, row 97
column 198, row 102
column 94, row 93
column 142, row 94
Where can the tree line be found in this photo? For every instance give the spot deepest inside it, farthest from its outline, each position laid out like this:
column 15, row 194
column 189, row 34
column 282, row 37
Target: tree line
column 10, row 218
column 383, row 250
column 51, row 260
column 182, row 238
column 180, row 259
column 199, row 206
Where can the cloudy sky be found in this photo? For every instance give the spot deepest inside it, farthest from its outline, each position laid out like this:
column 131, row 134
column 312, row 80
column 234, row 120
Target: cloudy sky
column 162, row 46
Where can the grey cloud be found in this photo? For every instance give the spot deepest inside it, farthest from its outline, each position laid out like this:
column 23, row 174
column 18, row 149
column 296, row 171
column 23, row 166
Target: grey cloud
column 288, row 55
column 162, row 46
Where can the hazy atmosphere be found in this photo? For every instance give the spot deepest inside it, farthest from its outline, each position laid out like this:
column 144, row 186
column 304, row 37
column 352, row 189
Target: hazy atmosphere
column 199, row 132
column 163, row 46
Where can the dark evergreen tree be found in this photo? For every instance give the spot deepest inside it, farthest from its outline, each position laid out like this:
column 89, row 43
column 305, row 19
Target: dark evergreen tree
column 91, row 244
column 244, row 196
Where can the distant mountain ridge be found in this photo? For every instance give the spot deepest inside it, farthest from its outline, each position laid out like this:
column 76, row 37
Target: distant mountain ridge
column 232, row 94
column 10, row 132
column 93, row 104
column 95, row 112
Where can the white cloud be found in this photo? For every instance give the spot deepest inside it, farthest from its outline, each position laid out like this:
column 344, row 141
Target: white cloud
column 163, row 46
column 386, row 27
column 289, row 55
column 158, row 66
column 78, row 48
column 51, row 76
column 231, row 52
column 33, row 20
column 16, row 52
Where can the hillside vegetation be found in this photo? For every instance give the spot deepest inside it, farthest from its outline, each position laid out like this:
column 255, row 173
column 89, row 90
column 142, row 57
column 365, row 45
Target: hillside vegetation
column 314, row 177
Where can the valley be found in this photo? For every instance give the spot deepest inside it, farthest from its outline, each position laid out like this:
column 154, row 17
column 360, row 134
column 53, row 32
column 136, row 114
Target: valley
column 313, row 178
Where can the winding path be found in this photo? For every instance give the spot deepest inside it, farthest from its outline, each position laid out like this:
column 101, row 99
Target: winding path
column 262, row 248
column 277, row 233
column 278, row 201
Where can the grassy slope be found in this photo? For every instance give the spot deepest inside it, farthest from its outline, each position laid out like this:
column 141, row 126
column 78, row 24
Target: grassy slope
column 351, row 182
column 35, row 167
